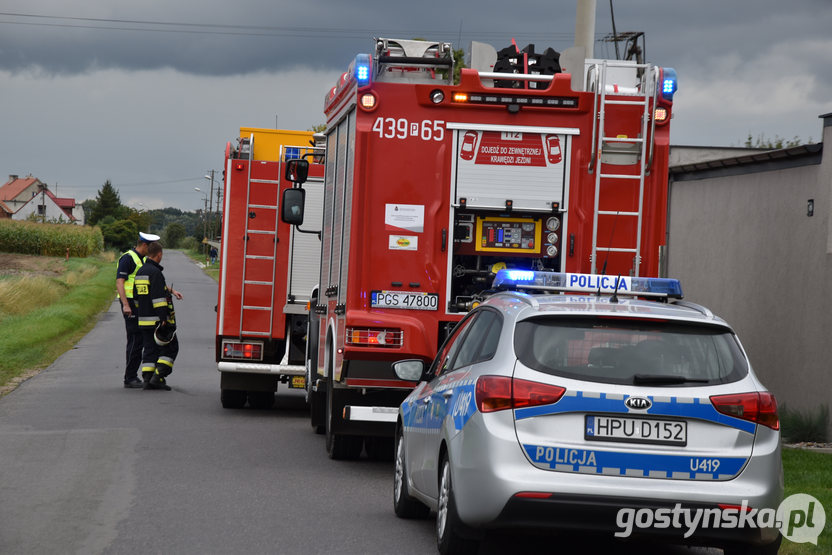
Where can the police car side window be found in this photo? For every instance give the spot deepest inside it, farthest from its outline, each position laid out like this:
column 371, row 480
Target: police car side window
column 480, row 342
column 442, row 361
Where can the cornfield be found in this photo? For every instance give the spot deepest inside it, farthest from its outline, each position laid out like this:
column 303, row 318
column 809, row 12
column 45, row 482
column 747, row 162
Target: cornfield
column 49, row 239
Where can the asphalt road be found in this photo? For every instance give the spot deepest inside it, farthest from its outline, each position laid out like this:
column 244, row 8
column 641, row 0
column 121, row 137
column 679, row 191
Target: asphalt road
column 89, row 467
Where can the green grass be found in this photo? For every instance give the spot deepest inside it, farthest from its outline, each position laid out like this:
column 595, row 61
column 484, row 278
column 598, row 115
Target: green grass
column 33, row 339
column 811, row 473
column 197, row 256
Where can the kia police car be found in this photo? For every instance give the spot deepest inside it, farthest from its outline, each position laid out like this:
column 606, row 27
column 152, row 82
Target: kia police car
column 557, row 411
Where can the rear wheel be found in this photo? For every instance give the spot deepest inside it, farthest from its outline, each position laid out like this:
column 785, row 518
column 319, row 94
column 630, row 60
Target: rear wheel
column 379, row 448
column 261, row 400
column 769, row 549
column 403, row 504
column 448, row 523
column 232, row 399
column 339, row 446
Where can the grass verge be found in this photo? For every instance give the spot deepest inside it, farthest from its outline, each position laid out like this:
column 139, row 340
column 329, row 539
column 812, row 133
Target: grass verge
column 811, row 473
column 33, row 336
column 213, row 271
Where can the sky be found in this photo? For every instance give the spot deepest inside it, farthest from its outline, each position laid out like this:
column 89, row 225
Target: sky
column 147, row 94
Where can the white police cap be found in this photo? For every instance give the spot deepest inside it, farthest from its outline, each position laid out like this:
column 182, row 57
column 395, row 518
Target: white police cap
column 148, row 237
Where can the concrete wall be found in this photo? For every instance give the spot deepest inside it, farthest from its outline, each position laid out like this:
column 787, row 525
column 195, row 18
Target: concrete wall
column 744, row 246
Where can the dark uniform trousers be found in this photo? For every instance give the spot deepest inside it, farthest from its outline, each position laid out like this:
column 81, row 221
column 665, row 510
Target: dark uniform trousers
column 134, row 343
column 157, row 359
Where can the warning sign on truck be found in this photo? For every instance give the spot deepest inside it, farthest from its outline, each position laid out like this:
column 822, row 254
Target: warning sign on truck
column 493, row 166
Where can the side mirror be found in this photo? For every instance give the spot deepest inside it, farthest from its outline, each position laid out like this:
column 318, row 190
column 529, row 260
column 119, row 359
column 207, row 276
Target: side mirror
column 291, row 211
column 409, row 370
column 297, row 170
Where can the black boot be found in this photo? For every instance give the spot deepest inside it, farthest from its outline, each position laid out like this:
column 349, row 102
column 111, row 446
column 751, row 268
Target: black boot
column 157, row 382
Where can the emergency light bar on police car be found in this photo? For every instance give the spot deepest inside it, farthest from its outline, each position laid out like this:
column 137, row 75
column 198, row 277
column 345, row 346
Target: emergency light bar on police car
column 588, row 283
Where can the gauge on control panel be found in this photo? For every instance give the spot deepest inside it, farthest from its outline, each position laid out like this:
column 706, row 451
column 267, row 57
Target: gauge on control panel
column 551, row 250
column 552, row 223
column 552, row 237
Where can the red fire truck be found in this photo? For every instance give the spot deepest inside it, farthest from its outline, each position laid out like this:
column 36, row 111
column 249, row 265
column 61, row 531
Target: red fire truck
column 267, row 268
column 432, row 187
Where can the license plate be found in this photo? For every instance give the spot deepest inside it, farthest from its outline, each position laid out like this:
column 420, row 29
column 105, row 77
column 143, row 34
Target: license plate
column 636, row 430
column 410, row 300
column 297, row 382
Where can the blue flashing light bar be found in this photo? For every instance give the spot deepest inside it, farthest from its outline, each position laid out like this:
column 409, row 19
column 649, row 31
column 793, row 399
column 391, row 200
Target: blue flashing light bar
column 362, row 69
column 588, row 283
column 669, row 83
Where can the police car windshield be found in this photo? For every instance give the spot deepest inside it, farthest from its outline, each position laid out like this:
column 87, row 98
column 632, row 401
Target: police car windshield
column 629, row 351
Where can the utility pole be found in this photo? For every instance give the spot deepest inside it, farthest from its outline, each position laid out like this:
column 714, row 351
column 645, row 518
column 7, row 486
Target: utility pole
column 210, row 205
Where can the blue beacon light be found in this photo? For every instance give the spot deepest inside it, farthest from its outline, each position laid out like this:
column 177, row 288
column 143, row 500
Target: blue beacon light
column 669, row 83
column 362, row 69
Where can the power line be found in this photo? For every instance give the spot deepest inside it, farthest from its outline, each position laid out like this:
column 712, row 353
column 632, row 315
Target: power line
column 254, row 30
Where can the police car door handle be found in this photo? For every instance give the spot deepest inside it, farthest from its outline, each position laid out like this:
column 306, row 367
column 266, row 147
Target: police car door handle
column 447, row 394
column 426, row 400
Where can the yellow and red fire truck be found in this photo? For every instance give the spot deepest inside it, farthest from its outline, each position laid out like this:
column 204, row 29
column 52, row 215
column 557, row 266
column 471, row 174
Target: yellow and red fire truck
column 267, row 267
column 431, row 187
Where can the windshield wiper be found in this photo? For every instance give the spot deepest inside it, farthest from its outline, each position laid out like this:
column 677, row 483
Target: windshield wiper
column 664, row 379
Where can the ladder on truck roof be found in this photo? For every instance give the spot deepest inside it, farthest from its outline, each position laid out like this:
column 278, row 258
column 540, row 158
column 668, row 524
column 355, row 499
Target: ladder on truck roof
column 609, row 150
column 247, row 257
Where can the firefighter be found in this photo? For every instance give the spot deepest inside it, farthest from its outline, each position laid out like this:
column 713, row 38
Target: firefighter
column 157, row 320
column 128, row 264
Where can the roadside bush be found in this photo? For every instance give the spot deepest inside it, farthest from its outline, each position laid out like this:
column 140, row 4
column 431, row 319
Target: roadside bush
column 189, row 244
column 809, row 426
column 173, row 235
column 49, row 239
column 120, row 235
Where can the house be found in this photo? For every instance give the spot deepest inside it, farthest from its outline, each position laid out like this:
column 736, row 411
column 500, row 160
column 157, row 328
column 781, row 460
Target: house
column 45, row 207
column 750, row 236
column 20, row 198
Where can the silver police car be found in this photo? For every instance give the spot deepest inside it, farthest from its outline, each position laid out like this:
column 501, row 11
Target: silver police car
column 592, row 411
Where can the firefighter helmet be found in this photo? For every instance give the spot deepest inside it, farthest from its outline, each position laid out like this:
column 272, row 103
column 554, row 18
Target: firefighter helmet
column 164, row 334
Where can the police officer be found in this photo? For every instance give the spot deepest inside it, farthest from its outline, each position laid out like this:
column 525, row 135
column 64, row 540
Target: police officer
column 128, row 264
column 157, row 320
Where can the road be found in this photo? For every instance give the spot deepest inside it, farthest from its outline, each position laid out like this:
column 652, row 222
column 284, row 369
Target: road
column 89, row 467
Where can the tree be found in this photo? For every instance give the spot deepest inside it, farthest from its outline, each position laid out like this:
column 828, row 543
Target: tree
column 121, row 234
column 107, row 203
column 173, row 235
column 320, row 128
column 778, row 142
column 459, row 63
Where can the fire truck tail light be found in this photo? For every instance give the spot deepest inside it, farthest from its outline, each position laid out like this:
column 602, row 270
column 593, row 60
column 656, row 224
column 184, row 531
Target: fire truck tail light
column 368, row 101
column 760, row 408
column 668, row 82
column 235, row 350
column 239, row 166
column 460, row 97
column 660, row 115
column 370, row 337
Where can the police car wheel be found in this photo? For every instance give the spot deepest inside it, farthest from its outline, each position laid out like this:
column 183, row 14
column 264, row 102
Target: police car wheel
column 769, row 549
column 404, row 505
column 448, row 524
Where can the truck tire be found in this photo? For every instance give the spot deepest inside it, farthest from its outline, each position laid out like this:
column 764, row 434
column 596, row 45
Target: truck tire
column 404, row 505
column 448, row 523
column 232, row 399
column 260, row 400
column 380, row 448
column 339, row 447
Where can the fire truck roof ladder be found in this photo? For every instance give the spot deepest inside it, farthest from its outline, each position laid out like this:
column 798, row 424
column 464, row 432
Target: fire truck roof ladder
column 413, row 61
column 608, row 149
column 246, row 256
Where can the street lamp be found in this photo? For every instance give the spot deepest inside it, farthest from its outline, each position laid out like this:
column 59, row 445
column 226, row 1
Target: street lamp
column 205, row 207
column 210, row 201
